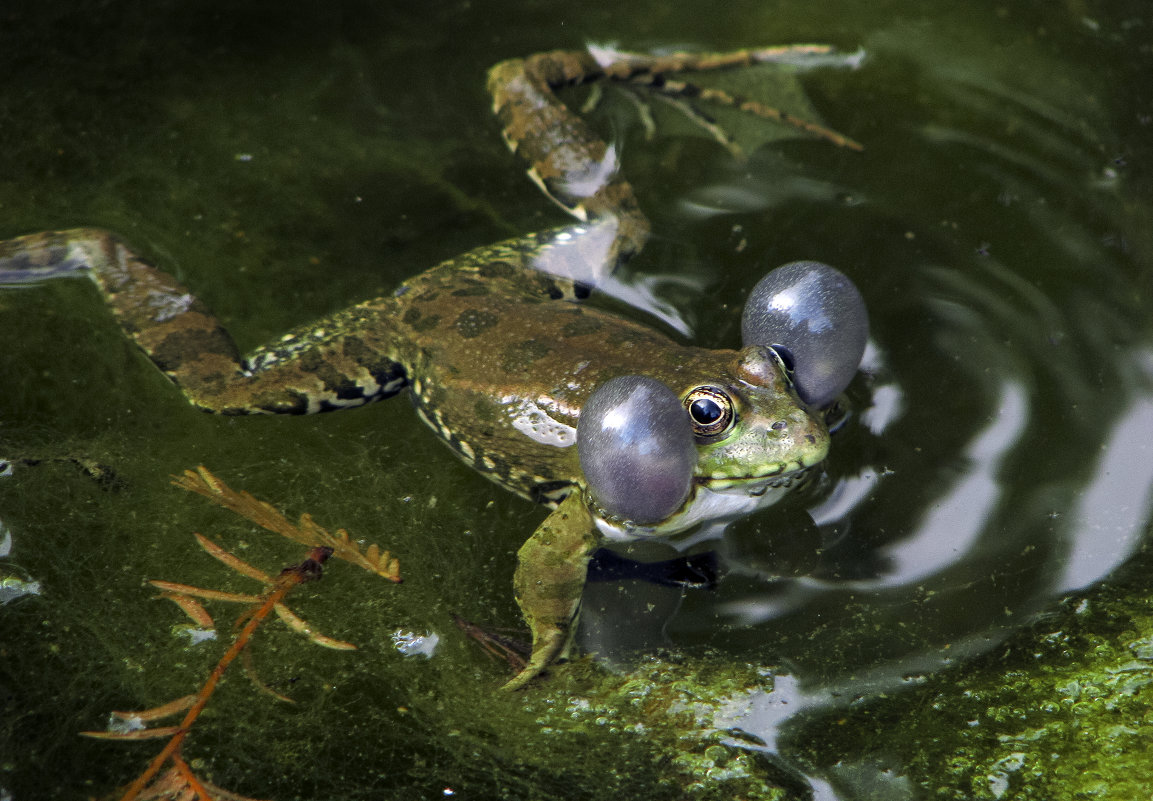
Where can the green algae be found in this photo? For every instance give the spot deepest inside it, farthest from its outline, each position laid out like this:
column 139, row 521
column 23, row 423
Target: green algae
column 1060, row 710
column 661, row 729
column 676, row 707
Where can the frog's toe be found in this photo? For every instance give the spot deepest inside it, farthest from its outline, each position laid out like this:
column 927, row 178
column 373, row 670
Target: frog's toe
column 548, row 647
column 520, row 680
column 531, row 671
column 41, row 257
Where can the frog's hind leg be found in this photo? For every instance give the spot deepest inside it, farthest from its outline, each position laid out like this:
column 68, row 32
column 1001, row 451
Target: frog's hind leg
column 652, row 73
column 679, row 93
column 313, row 370
column 574, row 166
column 571, row 164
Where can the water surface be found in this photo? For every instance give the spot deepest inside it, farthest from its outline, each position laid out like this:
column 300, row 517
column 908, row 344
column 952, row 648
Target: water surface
column 288, row 162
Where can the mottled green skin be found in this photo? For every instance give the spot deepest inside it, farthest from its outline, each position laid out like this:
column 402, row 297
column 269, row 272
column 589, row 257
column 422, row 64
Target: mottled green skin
column 495, row 345
column 486, row 335
column 491, row 334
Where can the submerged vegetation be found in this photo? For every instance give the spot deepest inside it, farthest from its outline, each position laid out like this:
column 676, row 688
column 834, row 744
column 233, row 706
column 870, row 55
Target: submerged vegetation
column 168, row 775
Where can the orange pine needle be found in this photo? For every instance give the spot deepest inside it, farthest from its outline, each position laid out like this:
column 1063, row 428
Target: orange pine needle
column 300, row 625
column 192, row 608
column 307, row 570
column 250, row 671
column 139, row 734
column 190, row 779
column 307, row 532
column 159, row 712
column 211, row 595
column 235, row 562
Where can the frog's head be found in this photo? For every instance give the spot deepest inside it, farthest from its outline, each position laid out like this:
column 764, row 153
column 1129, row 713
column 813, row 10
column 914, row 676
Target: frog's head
column 750, row 429
column 662, row 458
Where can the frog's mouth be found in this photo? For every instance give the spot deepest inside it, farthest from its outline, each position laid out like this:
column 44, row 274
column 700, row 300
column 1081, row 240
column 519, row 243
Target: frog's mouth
column 783, row 476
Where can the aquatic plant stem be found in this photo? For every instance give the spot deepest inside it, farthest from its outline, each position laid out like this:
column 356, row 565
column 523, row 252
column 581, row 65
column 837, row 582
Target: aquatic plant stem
column 290, row 577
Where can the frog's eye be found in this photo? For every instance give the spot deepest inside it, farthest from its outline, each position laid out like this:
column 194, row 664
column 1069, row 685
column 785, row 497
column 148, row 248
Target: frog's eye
column 636, row 448
column 710, row 411
column 814, row 318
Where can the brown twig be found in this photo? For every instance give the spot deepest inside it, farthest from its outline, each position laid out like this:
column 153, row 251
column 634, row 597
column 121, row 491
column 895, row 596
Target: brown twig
column 289, row 578
column 168, row 776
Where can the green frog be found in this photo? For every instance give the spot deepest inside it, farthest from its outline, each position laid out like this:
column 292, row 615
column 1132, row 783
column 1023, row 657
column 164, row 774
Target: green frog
column 503, row 359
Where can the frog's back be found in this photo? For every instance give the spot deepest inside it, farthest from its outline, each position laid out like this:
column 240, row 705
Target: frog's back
column 500, row 361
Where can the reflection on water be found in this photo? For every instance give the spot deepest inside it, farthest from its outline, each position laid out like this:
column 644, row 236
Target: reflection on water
column 997, row 456
column 1111, row 516
column 1000, row 456
column 953, row 526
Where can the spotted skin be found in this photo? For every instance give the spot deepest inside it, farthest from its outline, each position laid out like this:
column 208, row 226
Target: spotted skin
column 494, row 346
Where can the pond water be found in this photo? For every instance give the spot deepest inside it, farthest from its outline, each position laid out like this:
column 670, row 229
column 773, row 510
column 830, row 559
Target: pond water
column 286, row 163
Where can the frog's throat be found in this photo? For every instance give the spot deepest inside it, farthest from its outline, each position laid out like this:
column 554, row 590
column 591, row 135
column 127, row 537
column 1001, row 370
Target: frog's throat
column 704, row 506
column 715, row 499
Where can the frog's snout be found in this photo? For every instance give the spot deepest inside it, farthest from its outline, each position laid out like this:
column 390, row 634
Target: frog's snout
column 798, row 436
column 780, row 420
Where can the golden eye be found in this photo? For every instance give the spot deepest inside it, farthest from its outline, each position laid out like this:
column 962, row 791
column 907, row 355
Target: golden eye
column 710, row 411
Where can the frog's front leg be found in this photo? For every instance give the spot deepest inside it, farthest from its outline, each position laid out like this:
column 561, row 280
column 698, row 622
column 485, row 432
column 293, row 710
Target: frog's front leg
column 335, row 363
column 549, row 582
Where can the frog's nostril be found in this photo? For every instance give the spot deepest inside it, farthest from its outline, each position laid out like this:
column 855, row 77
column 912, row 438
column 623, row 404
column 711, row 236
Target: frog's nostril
column 787, row 358
column 780, row 425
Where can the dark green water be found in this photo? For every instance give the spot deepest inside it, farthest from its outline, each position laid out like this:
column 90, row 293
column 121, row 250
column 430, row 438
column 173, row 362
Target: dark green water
column 974, row 578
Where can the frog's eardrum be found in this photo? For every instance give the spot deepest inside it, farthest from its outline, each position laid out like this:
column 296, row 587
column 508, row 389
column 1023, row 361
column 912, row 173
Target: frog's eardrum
column 815, row 317
column 636, row 448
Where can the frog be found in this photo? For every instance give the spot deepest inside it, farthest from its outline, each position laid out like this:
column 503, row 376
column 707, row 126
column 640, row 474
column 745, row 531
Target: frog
column 504, row 358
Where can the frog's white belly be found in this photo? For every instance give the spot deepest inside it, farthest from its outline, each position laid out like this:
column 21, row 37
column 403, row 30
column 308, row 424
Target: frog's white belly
column 707, row 506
